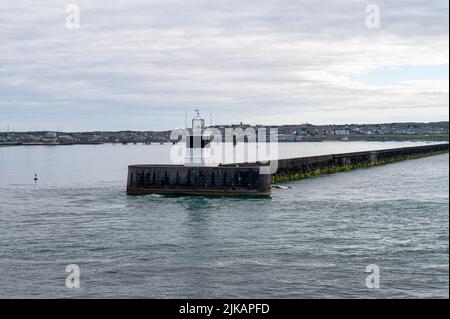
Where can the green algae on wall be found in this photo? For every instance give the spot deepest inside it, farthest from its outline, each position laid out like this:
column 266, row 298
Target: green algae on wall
column 280, row 178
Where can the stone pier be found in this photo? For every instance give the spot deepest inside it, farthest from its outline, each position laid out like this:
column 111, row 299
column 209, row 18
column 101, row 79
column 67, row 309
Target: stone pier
column 187, row 180
column 246, row 179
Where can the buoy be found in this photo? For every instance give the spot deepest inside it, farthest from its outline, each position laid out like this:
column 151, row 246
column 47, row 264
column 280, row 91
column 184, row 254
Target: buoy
column 35, row 178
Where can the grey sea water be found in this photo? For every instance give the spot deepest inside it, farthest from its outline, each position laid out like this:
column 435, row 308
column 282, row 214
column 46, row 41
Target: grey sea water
column 312, row 241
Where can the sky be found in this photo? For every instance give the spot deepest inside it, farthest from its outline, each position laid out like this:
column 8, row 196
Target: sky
column 141, row 64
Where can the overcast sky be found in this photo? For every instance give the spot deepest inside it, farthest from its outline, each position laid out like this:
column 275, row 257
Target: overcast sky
column 139, row 64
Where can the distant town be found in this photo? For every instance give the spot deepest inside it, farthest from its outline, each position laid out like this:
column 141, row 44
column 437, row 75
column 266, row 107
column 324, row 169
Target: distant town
column 435, row 131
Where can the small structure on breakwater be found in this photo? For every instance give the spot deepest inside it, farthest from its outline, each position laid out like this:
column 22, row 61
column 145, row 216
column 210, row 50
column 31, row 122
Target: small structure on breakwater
column 199, row 176
column 198, row 152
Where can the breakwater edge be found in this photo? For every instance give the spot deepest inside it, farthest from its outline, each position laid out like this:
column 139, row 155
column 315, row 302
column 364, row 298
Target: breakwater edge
column 246, row 179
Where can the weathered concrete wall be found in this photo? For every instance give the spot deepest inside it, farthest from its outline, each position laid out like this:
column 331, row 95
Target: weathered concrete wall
column 298, row 167
column 245, row 179
column 173, row 179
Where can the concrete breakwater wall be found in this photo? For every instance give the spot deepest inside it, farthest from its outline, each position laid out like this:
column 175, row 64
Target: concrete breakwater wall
column 175, row 179
column 246, row 179
column 297, row 168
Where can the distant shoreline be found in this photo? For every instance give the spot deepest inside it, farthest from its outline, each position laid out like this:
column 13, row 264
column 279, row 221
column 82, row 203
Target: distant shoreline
column 410, row 139
column 434, row 131
column 46, row 144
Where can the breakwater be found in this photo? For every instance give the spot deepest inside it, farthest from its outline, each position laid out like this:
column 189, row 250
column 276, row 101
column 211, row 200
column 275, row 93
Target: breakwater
column 246, row 179
column 187, row 180
column 298, row 168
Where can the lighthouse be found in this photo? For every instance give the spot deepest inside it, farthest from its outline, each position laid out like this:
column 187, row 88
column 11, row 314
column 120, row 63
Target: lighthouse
column 198, row 144
column 201, row 174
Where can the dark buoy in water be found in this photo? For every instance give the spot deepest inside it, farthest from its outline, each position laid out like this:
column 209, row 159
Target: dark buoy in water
column 35, row 178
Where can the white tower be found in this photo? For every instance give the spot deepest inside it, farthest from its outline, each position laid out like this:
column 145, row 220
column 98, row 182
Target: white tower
column 198, row 144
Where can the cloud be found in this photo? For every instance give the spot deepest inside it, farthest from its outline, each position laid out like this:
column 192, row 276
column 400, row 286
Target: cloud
column 139, row 64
